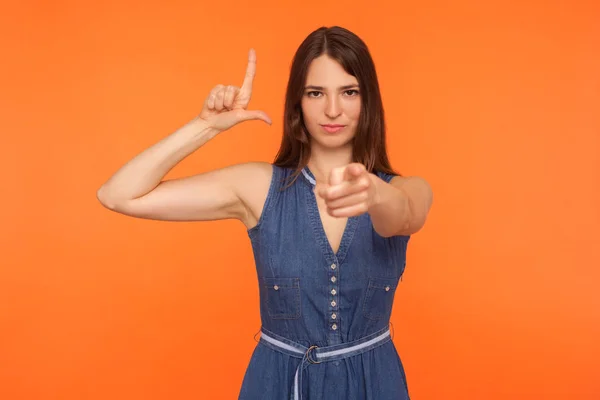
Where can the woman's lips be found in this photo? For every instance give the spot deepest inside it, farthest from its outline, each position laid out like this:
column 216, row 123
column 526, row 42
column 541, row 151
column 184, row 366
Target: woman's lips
column 333, row 128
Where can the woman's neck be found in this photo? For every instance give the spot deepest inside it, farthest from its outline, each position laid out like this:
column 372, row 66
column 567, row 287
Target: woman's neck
column 322, row 162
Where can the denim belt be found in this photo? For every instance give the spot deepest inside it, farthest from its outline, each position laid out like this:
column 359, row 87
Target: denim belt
column 317, row 355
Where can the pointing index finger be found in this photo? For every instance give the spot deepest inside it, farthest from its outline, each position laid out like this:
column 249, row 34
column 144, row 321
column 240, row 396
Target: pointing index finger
column 250, row 72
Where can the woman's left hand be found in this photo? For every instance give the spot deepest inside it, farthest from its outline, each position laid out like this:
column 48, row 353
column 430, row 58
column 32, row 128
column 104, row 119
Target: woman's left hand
column 351, row 191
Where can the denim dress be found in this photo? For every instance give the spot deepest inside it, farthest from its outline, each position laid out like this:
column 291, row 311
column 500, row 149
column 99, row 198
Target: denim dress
column 314, row 298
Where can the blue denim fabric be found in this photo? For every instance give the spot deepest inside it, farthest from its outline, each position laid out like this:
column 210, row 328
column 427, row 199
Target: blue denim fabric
column 298, row 299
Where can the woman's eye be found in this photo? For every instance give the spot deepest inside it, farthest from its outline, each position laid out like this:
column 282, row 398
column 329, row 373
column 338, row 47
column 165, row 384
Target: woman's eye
column 313, row 94
column 352, row 92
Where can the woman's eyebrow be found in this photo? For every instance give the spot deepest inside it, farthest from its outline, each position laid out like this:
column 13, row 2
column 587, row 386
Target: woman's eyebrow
column 345, row 87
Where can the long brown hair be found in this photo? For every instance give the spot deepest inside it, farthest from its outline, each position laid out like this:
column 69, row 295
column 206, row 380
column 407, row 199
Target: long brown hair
column 369, row 147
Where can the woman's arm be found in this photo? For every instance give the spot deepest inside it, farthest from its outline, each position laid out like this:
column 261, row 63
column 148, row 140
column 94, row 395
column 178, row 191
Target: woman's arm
column 396, row 208
column 401, row 206
column 143, row 173
column 137, row 188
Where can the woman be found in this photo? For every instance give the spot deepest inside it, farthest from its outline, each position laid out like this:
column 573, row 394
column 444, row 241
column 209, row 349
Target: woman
column 329, row 221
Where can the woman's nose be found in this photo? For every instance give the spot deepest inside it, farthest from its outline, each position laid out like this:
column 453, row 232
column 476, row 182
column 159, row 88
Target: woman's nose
column 333, row 108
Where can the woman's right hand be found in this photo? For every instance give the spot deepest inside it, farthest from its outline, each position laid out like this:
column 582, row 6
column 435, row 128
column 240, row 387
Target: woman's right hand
column 226, row 106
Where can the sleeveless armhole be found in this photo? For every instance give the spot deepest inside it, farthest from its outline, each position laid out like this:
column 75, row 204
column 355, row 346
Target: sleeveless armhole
column 270, row 200
column 386, row 177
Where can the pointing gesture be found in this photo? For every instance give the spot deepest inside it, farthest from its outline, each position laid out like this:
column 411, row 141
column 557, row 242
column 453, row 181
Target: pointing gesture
column 226, row 106
column 350, row 191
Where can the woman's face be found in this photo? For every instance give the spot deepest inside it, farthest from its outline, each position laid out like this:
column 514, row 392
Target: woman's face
column 331, row 103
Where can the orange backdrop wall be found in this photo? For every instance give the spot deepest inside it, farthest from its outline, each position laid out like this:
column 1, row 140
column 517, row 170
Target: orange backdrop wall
column 496, row 104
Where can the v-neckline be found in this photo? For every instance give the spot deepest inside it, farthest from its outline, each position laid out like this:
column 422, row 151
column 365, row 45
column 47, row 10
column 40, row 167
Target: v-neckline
column 319, row 227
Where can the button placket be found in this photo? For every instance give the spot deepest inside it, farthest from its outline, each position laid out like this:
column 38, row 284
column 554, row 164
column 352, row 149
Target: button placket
column 333, row 315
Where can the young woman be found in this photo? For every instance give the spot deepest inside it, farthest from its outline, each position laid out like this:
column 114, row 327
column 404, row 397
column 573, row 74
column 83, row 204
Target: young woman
column 329, row 221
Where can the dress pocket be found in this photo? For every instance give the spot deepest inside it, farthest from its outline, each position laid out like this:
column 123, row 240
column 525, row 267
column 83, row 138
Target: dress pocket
column 282, row 297
column 379, row 298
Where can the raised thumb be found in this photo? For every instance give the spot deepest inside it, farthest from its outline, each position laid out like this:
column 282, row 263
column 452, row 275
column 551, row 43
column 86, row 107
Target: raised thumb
column 247, row 115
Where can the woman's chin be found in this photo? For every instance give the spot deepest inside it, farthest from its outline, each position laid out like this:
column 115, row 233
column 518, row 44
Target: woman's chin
column 331, row 141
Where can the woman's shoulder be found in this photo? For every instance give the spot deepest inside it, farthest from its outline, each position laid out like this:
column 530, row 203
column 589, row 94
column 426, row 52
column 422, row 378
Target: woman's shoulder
column 257, row 185
column 261, row 174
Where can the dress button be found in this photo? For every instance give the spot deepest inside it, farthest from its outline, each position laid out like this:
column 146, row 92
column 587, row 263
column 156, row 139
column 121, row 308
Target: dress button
column 387, row 288
column 276, row 287
column 333, row 303
column 333, row 292
column 334, row 327
column 333, row 279
column 333, row 316
column 333, row 266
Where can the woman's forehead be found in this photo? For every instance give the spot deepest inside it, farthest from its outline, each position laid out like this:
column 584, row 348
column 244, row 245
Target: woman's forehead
column 327, row 73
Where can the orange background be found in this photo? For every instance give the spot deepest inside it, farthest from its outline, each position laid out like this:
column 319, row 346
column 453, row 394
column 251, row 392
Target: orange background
column 496, row 104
